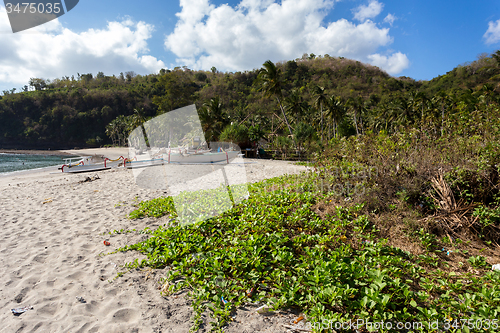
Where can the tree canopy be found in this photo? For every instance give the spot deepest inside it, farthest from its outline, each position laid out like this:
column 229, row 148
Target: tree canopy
column 336, row 96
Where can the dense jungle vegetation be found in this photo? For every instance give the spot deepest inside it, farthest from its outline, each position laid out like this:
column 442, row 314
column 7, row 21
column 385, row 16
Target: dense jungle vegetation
column 314, row 98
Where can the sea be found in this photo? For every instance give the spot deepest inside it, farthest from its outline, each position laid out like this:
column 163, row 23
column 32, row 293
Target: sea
column 17, row 162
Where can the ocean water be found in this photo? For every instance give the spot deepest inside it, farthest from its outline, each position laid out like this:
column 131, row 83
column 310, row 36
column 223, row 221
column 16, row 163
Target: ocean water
column 17, row 162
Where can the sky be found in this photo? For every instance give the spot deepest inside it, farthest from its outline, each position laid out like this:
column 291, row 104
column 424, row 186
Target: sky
column 419, row 39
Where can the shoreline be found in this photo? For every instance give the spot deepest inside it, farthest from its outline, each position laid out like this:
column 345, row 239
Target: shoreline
column 53, row 168
column 109, row 152
column 35, row 152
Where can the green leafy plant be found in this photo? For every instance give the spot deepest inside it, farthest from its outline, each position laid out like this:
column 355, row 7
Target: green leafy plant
column 274, row 248
column 478, row 261
column 427, row 239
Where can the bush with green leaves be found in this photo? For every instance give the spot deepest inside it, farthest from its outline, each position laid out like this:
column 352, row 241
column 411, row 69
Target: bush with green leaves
column 274, row 248
column 235, row 133
column 478, row 261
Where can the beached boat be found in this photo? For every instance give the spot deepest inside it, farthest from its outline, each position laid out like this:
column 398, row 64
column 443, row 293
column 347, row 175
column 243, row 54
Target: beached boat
column 89, row 164
column 196, row 157
column 181, row 156
column 134, row 163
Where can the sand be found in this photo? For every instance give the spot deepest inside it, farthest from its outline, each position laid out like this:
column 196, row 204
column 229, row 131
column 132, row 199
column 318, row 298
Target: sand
column 52, row 252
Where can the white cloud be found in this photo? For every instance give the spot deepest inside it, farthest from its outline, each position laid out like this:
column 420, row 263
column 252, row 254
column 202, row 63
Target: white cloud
column 245, row 36
column 492, row 35
column 51, row 51
column 393, row 64
column 363, row 12
column 390, row 19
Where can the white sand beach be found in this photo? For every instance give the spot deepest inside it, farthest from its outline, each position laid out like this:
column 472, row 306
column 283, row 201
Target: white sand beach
column 53, row 228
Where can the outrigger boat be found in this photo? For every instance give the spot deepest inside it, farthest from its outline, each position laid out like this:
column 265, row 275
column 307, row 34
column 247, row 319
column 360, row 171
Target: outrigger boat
column 182, row 156
column 195, row 157
column 134, row 163
column 88, row 164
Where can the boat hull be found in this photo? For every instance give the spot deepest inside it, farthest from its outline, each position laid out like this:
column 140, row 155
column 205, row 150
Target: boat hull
column 86, row 164
column 200, row 158
column 144, row 163
column 84, row 168
column 177, row 158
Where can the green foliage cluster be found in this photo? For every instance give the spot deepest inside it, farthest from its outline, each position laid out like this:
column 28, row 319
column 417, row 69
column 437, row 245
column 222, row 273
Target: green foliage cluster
column 154, row 208
column 338, row 97
column 275, row 249
column 238, row 134
column 72, row 112
column 394, row 173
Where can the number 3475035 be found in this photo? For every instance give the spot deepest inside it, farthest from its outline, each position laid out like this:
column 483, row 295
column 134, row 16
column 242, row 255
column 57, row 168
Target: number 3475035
column 32, row 8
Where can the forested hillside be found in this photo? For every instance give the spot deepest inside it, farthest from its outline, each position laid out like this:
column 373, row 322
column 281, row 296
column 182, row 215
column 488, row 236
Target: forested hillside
column 321, row 97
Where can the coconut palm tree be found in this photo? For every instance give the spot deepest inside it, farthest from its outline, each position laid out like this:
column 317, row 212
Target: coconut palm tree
column 213, row 119
column 486, row 94
column 421, row 98
column 137, row 120
column 296, row 105
column 270, row 78
column 320, row 99
column 403, row 108
column 119, row 129
column 442, row 99
column 357, row 106
column 335, row 112
column 112, row 131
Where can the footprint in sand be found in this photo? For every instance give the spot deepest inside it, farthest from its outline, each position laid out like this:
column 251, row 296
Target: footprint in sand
column 48, row 309
column 75, row 276
column 125, row 315
column 19, row 298
column 40, row 258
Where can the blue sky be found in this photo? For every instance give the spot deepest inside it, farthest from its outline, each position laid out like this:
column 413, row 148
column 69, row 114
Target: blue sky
column 419, row 39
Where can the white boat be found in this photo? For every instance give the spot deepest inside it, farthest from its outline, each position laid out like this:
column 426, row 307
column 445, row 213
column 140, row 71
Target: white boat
column 88, row 164
column 183, row 156
column 195, row 157
column 129, row 164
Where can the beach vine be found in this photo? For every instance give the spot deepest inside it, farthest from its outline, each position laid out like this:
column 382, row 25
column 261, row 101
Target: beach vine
column 277, row 248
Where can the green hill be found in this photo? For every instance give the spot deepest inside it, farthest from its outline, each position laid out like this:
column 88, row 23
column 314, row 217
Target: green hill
column 353, row 97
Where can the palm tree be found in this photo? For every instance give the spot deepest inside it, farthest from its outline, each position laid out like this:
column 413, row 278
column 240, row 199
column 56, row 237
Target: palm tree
column 419, row 98
column 382, row 117
column 137, row 120
column 270, row 77
column 213, row 119
column 444, row 100
column 119, row 129
column 296, row 105
column 357, row 105
column 320, row 99
column 112, row 131
column 486, row 93
column 335, row 111
column 403, row 108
